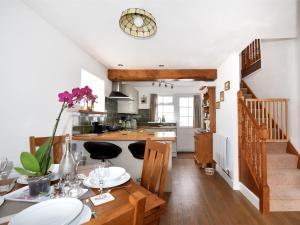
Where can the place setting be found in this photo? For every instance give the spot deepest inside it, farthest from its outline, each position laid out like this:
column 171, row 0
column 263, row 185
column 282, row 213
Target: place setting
column 66, row 201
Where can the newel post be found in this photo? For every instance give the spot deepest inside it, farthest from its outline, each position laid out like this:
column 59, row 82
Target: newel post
column 264, row 201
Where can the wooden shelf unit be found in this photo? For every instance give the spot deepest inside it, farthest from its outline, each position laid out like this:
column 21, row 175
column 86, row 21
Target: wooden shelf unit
column 208, row 108
column 204, row 140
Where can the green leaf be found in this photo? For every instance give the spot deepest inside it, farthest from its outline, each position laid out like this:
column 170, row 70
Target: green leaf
column 24, row 172
column 43, row 165
column 42, row 151
column 29, row 162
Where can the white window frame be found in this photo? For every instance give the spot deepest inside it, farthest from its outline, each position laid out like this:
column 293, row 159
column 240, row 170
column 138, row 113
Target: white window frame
column 188, row 116
column 166, row 104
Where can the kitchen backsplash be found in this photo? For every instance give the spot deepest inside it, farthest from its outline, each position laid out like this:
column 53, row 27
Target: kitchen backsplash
column 82, row 122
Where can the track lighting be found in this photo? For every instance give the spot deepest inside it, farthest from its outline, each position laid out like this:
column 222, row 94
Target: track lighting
column 163, row 83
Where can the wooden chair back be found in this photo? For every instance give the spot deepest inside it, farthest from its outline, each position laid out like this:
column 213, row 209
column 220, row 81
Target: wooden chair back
column 58, row 142
column 129, row 214
column 155, row 167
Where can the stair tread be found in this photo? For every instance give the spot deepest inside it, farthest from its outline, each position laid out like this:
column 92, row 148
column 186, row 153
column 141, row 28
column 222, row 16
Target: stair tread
column 288, row 192
column 283, row 171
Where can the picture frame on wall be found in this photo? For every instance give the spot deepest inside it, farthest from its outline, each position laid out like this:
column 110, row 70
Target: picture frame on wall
column 222, row 96
column 143, row 99
column 218, row 105
column 227, row 85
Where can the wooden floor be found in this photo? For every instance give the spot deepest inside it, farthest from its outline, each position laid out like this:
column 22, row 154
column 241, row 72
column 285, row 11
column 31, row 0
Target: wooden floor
column 198, row 199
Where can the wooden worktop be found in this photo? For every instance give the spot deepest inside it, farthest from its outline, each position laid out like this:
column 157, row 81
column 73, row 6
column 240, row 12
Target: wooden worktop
column 127, row 136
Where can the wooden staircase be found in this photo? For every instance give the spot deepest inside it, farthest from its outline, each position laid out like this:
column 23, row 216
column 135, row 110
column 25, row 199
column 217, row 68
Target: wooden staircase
column 282, row 174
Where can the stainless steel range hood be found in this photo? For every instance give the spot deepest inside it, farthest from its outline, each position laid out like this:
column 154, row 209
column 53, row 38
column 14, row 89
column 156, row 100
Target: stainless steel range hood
column 117, row 92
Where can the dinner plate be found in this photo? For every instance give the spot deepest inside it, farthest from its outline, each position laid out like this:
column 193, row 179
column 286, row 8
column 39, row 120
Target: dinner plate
column 61, row 211
column 1, row 200
column 92, row 182
column 83, row 217
column 114, row 173
column 54, row 169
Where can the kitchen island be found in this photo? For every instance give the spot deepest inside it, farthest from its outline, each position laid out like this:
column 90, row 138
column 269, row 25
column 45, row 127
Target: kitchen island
column 122, row 139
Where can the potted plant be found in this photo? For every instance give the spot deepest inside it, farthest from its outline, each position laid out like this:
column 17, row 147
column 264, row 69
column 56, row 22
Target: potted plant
column 36, row 166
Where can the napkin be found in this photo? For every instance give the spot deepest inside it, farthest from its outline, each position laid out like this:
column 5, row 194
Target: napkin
column 106, row 197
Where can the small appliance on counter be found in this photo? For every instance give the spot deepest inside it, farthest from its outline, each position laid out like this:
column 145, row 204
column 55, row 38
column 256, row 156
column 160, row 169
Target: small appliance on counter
column 98, row 128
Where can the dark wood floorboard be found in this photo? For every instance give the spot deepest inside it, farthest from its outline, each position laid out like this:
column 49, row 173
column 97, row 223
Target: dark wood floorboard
column 198, row 199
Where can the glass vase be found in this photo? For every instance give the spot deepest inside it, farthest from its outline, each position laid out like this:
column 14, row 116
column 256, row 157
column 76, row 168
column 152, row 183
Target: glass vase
column 67, row 163
column 39, row 184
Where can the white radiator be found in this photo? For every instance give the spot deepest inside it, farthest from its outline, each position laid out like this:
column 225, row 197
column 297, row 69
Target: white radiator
column 221, row 152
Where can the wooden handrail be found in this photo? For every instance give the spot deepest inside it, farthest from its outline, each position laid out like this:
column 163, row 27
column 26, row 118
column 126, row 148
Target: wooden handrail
column 252, row 151
column 251, row 57
column 273, row 114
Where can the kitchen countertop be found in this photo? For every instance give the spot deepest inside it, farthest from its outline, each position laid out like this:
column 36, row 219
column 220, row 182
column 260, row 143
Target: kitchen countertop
column 127, row 136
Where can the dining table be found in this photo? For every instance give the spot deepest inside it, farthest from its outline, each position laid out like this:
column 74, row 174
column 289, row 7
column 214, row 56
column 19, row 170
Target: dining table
column 154, row 206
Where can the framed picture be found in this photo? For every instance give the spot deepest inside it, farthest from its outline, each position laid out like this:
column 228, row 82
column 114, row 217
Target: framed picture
column 218, row 105
column 227, row 85
column 143, row 99
column 222, row 96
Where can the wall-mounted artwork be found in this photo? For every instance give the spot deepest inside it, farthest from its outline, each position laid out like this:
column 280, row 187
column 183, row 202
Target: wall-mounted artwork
column 143, row 99
column 222, row 96
column 227, row 85
column 218, row 105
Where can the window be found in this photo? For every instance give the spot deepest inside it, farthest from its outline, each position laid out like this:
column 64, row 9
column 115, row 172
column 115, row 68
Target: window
column 97, row 85
column 165, row 107
column 186, row 111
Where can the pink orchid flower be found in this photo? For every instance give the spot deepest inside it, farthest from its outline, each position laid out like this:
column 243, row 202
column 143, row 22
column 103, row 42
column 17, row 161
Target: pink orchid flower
column 64, row 96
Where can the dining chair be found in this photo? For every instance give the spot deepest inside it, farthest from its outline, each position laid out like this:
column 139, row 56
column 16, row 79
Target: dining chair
column 155, row 166
column 128, row 214
column 58, row 142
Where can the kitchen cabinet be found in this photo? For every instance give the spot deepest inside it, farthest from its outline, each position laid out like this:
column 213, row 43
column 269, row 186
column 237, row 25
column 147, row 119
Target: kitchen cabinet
column 203, row 148
column 130, row 107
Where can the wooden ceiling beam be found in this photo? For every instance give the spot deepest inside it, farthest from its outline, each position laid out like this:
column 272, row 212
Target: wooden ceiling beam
column 174, row 74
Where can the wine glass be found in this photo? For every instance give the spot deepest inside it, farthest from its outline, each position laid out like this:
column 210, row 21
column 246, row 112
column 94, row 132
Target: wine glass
column 77, row 155
column 3, row 164
column 102, row 172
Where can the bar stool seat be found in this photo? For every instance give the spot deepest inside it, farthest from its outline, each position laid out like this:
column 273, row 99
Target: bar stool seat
column 102, row 150
column 137, row 149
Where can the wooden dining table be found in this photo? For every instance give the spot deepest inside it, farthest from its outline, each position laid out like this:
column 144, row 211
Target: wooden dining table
column 154, row 207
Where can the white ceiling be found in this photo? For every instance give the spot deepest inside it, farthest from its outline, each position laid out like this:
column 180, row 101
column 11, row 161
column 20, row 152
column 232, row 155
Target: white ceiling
column 191, row 33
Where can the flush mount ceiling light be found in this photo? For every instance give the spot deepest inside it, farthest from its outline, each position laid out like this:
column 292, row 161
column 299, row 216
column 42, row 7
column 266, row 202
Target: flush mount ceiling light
column 137, row 23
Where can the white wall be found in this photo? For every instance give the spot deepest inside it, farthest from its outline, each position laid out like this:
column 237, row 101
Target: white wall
column 226, row 116
column 279, row 77
column 36, row 62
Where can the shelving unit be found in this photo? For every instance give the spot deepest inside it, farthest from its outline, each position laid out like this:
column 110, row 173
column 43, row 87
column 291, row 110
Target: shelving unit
column 204, row 140
column 209, row 109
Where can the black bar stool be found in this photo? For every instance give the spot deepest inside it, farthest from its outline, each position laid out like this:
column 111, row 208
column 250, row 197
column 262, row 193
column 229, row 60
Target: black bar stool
column 102, row 150
column 137, row 149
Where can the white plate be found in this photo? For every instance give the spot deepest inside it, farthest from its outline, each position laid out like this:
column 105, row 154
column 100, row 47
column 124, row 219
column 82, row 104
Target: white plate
column 94, row 183
column 1, row 200
column 114, row 173
column 59, row 211
column 83, row 217
column 54, row 169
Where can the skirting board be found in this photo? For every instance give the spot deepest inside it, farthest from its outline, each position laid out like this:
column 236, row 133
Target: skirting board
column 249, row 195
column 231, row 183
column 239, row 186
